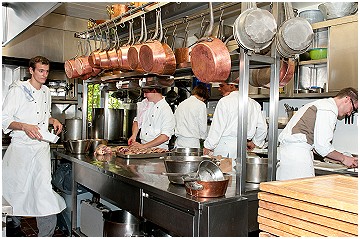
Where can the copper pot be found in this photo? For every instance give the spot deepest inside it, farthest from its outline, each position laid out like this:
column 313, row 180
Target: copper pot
column 210, row 58
column 182, row 55
column 133, row 53
column 157, row 57
column 207, row 189
column 70, row 69
column 124, row 49
column 115, row 61
column 94, row 59
column 82, row 65
column 261, row 77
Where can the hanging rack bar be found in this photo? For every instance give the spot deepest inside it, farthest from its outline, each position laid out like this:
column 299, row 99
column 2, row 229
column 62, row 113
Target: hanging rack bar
column 131, row 14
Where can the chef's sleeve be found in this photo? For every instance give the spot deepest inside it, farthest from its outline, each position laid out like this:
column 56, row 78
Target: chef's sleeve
column 10, row 107
column 324, row 132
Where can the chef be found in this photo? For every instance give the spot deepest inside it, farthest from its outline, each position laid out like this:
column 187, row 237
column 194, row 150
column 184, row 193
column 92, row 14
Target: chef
column 222, row 137
column 155, row 119
column 26, row 167
column 191, row 119
column 312, row 129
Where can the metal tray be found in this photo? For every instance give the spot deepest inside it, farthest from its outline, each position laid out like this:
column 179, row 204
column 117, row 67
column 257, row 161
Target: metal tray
column 141, row 156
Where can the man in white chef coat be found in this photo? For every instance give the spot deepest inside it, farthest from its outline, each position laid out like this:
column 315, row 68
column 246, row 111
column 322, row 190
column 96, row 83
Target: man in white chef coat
column 155, row 119
column 222, row 136
column 312, row 129
column 26, row 167
column 191, row 119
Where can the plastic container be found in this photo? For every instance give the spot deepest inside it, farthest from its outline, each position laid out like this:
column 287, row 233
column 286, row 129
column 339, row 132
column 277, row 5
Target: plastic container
column 318, row 53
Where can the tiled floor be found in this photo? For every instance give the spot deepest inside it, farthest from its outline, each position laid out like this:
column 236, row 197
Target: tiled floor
column 29, row 229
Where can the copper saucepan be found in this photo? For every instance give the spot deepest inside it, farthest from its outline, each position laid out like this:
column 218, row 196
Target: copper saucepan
column 210, row 59
column 105, row 62
column 182, row 54
column 82, row 64
column 125, row 49
column 133, row 53
column 69, row 65
column 115, row 61
column 94, row 58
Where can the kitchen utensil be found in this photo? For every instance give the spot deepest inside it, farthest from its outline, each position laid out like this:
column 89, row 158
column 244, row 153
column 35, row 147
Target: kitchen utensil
column 209, row 171
column 96, row 142
column 116, row 10
column 312, row 16
column 133, row 53
column 331, row 10
column 120, row 223
column 210, row 59
column 181, row 165
column 123, row 51
column 73, row 129
column 115, row 60
column 255, row 28
column 318, row 53
column 198, row 188
column 182, row 54
column 79, row 146
column 256, row 169
column 69, row 65
column 186, row 152
column 294, row 36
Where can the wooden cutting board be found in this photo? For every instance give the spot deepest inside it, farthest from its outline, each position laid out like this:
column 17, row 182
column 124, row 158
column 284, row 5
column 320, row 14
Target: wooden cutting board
column 335, row 191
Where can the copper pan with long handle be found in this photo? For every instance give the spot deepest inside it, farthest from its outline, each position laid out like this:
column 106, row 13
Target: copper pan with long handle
column 94, row 57
column 115, row 62
column 133, row 53
column 82, row 64
column 182, row 54
column 69, row 65
column 125, row 49
column 170, row 60
column 210, row 58
column 104, row 58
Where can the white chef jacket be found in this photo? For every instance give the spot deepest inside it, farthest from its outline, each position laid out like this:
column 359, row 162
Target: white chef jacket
column 191, row 123
column 157, row 119
column 222, row 137
column 295, row 151
column 26, row 167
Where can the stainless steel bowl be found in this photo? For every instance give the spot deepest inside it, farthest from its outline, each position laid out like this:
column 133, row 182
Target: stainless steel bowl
column 177, row 166
column 209, row 171
column 186, row 152
column 96, row 142
column 79, row 146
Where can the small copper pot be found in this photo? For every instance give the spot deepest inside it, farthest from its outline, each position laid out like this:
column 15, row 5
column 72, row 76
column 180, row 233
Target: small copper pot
column 82, row 65
column 208, row 189
column 104, row 60
column 94, row 59
column 70, row 69
column 124, row 49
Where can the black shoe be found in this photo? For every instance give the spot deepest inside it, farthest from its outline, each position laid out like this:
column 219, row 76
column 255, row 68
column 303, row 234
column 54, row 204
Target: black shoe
column 14, row 232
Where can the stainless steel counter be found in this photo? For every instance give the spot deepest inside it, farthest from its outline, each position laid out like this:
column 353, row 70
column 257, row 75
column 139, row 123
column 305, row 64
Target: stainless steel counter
column 137, row 185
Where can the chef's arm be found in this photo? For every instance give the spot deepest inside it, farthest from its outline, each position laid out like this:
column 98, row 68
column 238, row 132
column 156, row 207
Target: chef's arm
column 57, row 125
column 31, row 130
column 135, row 131
column 346, row 160
column 162, row 138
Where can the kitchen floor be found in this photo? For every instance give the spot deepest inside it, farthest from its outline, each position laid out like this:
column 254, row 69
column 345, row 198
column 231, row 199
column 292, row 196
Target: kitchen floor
column 29, row 229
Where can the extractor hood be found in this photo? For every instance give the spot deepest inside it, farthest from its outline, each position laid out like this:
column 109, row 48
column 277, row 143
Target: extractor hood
column 19, row 16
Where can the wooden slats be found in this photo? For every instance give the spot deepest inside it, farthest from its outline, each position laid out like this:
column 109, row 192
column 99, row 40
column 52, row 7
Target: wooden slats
column 336, row 191
column 273, row 231
column 310, row 207
column 318, row 206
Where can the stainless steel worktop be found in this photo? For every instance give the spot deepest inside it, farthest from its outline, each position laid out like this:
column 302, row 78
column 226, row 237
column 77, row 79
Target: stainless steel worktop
column 138, row 186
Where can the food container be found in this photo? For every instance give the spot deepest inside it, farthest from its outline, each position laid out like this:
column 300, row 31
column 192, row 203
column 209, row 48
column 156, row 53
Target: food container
column 187, row 152
column 318, row 53
column 178, row 166
column 198, row 188
column 80, row 146
column 256, row 169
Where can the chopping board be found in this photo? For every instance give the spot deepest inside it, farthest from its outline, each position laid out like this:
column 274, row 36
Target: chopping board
column 334, row 191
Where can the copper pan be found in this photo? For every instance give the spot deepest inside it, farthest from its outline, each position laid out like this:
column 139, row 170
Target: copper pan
column 69, row 65
column 210, row 58
column 104, row 57
column 133, row 53
column 182, row 54
column 94, row 57
column 82, row 64
column 198, row 188
column 261, row 77
column 115, row 61
column 125, row 49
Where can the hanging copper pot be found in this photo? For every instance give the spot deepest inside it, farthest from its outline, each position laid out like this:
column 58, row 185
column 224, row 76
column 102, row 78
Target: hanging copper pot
column 210, row 59
column 94, row 57
column 124, row 49
column 70, row 69
column 115, row 61
column 133, row 53
column 182, row 54
column 104, row 57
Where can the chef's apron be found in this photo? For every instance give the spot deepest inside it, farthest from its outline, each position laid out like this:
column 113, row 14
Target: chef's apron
column 295, row 161
column 227, row 147
column 186, row 142
column 27, row 180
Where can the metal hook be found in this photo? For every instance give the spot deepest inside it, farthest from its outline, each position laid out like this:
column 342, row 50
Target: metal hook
column 175, row 27
column 202, row 21
column 187, row 26
column 222, row 12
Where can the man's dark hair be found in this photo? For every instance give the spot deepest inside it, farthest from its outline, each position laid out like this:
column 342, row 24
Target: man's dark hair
column 202, row 91
column 350, row 92
column 38, row 59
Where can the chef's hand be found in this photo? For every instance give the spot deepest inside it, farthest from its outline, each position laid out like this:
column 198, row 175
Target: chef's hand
column 32, row 131
column 250, row 145
column 350, row 162
column 207, row 152
column 132, row 140
column 57, row 126
column 137, row 145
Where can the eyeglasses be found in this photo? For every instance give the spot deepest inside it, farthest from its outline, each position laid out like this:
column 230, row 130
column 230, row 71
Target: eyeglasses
column 353, row 107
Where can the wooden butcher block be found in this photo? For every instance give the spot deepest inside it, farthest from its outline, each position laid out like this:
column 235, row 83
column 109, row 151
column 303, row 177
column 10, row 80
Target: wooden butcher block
column 334, row 191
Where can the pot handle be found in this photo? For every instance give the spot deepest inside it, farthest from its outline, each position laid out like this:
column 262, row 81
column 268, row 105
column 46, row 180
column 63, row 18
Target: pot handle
column 194, row 186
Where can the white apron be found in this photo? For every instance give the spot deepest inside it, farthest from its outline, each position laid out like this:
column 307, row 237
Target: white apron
column 185, row 142
column 295, row 161
column 227, row 147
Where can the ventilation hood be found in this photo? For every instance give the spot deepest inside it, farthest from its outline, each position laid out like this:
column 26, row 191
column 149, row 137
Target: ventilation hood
column 19, row 16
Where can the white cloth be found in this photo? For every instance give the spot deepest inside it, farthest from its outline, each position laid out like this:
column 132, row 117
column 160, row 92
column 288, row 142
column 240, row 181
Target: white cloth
column 157, row 119
column 294, row 150
column 141, row 107
column 26, row 167
column 191, row 123
column 222, row 137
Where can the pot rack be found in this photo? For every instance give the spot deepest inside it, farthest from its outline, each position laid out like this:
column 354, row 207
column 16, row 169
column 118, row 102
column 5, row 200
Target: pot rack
column 148, row 7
